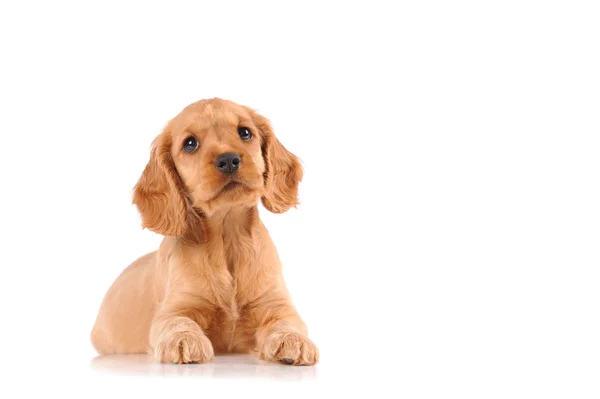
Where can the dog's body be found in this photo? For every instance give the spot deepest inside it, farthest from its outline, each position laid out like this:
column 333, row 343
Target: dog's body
column 215, row 284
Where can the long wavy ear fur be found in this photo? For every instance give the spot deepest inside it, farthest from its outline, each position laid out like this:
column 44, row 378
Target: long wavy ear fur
column 158, row 193
column 283, row 170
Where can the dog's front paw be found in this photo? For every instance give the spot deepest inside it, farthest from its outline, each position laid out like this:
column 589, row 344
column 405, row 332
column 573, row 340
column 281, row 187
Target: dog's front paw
column 185, row 347
column 290, row 348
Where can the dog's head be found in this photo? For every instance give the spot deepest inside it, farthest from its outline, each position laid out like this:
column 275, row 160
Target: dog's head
column 214, row 155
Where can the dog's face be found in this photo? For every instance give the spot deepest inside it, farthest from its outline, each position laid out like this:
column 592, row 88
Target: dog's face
column 216, row 149
column 215, row 154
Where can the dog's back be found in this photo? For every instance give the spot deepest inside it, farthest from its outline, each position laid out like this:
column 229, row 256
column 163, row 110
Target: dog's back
column 126, row 312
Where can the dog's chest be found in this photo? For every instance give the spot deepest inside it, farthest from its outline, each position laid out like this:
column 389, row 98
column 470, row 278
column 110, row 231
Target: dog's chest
column 228, row 331
column 229, row 264
column 232, row 264
column 236, row 265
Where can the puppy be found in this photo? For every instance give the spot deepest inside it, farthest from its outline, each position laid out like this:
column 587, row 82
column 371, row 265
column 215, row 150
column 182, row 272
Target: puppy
column 215, row 283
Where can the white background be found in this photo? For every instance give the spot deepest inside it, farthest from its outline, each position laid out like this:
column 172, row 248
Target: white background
column 447, row 242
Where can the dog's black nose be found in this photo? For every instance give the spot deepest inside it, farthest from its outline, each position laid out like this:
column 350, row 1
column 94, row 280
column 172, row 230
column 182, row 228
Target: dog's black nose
column 228, row 162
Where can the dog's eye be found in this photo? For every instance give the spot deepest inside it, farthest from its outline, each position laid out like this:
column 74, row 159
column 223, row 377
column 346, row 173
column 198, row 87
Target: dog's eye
column 245, row 133
column 190, row 144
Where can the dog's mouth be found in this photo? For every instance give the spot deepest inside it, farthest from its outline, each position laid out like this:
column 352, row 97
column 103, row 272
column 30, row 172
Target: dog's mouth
column 235, row 188
column 230, row 189
column 232, row 185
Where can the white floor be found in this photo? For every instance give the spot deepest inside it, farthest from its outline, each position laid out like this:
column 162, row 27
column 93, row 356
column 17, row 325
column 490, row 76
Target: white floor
column 228, row 366
column 443, row 364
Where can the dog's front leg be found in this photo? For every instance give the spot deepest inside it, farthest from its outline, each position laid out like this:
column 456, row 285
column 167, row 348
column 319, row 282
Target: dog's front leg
column 281, row 335
column 176, row 334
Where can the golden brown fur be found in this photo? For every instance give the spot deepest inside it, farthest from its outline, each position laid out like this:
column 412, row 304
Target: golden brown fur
column 215, row 284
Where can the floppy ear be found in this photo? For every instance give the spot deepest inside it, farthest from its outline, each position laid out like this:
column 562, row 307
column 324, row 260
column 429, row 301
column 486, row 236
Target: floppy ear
column 158, row 193
column 283, row 170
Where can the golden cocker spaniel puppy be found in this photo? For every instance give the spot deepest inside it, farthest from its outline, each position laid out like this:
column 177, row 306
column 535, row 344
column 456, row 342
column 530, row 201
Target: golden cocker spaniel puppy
column 215, row 284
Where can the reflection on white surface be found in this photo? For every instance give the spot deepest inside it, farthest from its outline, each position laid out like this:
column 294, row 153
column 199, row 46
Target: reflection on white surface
column 221, row 366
